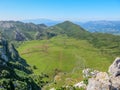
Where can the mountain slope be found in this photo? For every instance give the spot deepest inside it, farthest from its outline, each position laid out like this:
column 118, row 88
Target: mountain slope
column 25, row 31
column 70, row 29
column 14, row 71
column 63, row 57
column 62, row 53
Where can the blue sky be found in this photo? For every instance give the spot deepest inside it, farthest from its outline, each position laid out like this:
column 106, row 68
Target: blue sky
column 80, row 10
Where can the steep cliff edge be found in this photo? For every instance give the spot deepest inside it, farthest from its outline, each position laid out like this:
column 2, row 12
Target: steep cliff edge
column 14, row 71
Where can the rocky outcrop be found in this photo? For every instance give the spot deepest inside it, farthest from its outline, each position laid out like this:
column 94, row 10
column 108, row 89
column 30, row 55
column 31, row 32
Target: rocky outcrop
column 89, row 73
column 20, row 36
column 106, row 81
column 8, row 53
column 11, row 66
column 38, row 36
column 114, row 69
column 100, row 82
column 4, row 50
column 16, row 30
column 14, row 53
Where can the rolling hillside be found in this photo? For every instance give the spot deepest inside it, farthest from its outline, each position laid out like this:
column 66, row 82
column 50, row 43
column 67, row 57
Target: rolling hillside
column 64, row 54
column 70, row 29
column 67, row 50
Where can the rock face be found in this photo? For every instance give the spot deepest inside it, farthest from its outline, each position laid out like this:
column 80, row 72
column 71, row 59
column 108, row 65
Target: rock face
column 114, row 69
column 100, row 82
column 4, row 49
column 106, row 81
column 24, row 30
column 14, row 53
column 38, row 36
column 8, row 52
column 89, row 73
column 12, row 67
column 19, row 36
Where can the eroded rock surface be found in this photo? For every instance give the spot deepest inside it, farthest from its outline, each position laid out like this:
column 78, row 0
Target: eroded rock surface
column 106, row 81
column 114, row 69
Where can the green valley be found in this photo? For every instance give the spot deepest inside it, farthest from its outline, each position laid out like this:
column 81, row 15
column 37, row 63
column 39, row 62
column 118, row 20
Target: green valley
column 63, row 54
column 58, row 54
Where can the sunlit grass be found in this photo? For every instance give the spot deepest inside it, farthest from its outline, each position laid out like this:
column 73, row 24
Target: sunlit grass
column 65, row 54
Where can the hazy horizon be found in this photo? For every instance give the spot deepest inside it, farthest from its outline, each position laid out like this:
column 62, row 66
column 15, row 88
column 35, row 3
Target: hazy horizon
column 77, row 10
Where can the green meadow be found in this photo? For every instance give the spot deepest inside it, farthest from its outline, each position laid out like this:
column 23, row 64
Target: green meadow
column 64, row 54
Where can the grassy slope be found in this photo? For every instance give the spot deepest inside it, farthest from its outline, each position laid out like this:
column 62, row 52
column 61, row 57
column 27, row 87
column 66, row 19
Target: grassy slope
column 64, row 54
column 68, row 55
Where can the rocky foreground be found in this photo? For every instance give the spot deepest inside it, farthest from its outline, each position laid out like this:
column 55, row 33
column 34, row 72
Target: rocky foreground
column 103, row 80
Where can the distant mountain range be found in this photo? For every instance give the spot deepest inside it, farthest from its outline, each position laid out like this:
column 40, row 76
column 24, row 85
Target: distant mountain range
column 48, row 22
column 112, row 27
column 20, row 31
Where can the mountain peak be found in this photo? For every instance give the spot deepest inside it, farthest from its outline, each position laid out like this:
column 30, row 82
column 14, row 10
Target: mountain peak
column 70, row 29
column 67, row 23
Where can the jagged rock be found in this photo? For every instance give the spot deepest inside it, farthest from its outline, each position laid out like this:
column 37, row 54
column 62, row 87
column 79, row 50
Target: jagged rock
column 19, row 36
column 114, row 69
column 89, row 73
column 38, row 35
column 3, row 56
column 10, row 65
column 115, row 83
column 104, row 81
column 7, row 53
column 3, row 49
column 100, row 82
column 14, row 53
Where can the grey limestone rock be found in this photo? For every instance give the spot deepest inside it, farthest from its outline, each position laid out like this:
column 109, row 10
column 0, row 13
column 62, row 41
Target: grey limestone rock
column 114, row 69
column 106, row 81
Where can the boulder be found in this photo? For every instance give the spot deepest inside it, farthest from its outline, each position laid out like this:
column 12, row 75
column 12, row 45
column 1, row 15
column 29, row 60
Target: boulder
column 105, row 81
column 114, row 69
column 89, row 73
column 115, row 83
column 100, row 82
